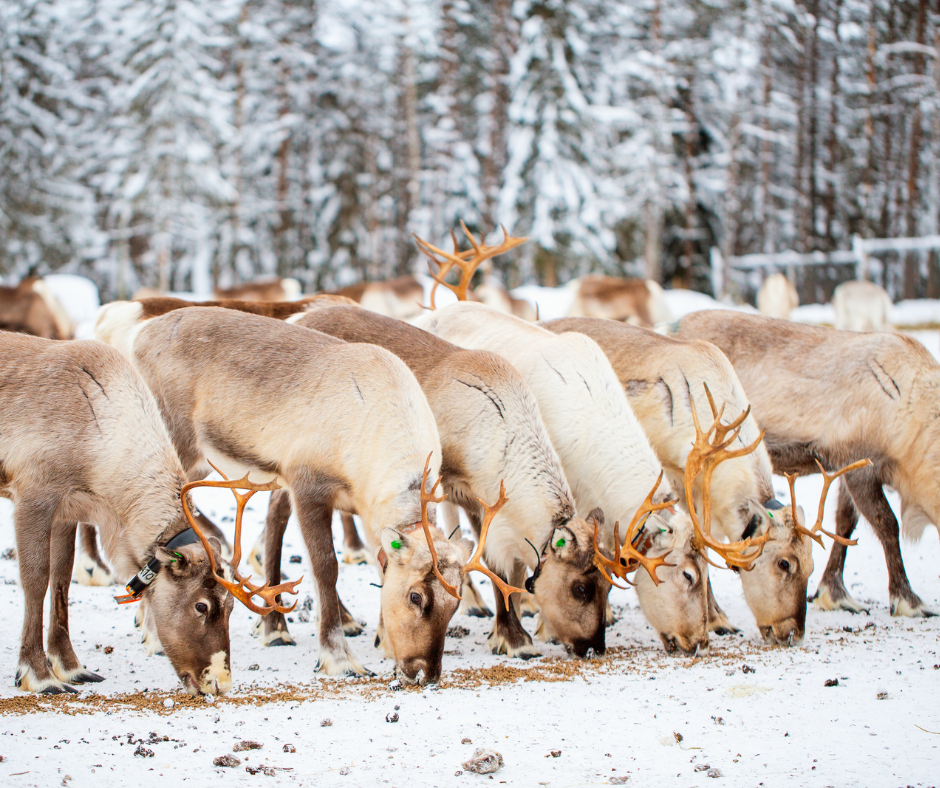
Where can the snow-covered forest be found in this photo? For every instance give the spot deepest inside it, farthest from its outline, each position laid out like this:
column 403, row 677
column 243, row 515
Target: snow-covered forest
column 179, row 144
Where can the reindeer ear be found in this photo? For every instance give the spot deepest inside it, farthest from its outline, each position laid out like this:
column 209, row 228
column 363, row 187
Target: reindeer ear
column 563, row 543
column 174, row 560
column 800, row 517
column 398, row 547
column 596, row 514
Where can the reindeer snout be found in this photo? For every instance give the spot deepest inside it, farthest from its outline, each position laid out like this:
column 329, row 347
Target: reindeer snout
column 596, row 644
column 420, row 671
column 783, row 633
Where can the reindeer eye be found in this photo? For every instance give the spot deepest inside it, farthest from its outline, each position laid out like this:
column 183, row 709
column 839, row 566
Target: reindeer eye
column 416, row 598
column 202, row 608
column 784, row 565
column 584, row 592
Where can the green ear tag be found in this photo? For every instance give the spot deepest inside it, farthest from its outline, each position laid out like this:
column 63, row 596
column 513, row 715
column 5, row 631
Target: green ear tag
column 178, row 555
column 396, row 545
column 770, row 515
column 560, row 543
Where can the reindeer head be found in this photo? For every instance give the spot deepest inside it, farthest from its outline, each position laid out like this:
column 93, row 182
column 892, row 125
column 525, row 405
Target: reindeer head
column 420, row 588
column 570, row 590
column 191, row 598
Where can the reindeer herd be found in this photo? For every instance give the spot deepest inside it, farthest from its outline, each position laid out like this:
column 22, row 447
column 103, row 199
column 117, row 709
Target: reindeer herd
column 585, row 452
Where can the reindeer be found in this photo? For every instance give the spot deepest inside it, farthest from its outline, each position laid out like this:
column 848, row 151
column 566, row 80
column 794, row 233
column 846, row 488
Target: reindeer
column 491, row 431
column 400, row 298
column 777, row 297
column 81, row 439
column 605, row 455
column 339, row 426
column 637, row 301
column 828, row 397
column 666, row 381
column 31, row 308
column 862, row 306
column 282, row 289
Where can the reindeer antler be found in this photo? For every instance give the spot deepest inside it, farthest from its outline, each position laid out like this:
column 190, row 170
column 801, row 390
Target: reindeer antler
column 241, row 589
column 628, row 558
column 709, row 450
column 475, row 564
column 828, row 478
column 467, row 261
column 426, row 498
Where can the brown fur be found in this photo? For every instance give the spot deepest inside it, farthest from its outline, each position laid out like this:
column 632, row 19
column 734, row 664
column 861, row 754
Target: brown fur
column 840, row 396
column 626, row 300
column 400, row 298
column 23, row 310
column 259, row 290
column 82, row 440
column 279, row 310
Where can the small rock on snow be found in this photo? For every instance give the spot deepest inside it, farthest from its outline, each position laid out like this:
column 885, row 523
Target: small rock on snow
column 247, row 745
column 832, row 683
column 391, row 717
column 484, row 762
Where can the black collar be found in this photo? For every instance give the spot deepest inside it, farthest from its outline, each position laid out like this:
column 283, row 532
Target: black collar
column 139, row 582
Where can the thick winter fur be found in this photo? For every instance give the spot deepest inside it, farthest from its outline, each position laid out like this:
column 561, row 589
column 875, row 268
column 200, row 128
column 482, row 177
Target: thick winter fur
column 491, row 431
column 637, row 301
column 400, row 298
column 841, row 396
column 862, row 306
column 606, row 456
column 663, row 377
column 82, row 440
column 777, row 297
column 339, row 425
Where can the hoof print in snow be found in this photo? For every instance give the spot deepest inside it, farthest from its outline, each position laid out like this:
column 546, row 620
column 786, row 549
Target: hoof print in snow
column 226, row 760
column 484, row 762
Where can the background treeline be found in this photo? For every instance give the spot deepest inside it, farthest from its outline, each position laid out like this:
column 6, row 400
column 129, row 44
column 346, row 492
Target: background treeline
column 183, row 143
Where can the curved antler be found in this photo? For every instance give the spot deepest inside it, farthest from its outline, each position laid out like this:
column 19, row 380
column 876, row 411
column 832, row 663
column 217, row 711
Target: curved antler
column 467, row 261
column 628, row 558
column 709, row 450
column 241, row 589
column 426, row 498
column 475, row 564
column 828, row 478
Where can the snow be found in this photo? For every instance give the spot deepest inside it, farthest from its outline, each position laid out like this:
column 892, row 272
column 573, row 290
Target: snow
column 614, row 716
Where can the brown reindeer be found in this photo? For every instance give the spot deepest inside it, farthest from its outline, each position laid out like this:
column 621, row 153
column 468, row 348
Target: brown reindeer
column 285, row 289
column 339, row 425
column 82, row 440
column 31, row 308
column 664, row 379
column 637, row 301
column 491, row 432
column 833, row 397
column 400, row 298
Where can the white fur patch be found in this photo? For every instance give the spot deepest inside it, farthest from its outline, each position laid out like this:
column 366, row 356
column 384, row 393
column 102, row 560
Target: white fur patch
column 88, row 572
column 339, row 662
column 217, row 678
column 824, row 601
column 901, row 607
column 29, row 682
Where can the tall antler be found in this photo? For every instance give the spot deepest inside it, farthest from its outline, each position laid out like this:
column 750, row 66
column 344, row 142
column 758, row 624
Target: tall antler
column 475, row 564
column 828, row 478
column 628, row 558
column 709, row 450
column 467, row 261
column 241, row 589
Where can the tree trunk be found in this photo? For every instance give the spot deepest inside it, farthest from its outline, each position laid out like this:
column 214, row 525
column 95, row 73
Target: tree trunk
column 911, row 272
column 831, row 201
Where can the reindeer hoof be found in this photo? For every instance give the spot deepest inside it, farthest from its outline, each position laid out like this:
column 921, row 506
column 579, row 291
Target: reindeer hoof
column 279, row 641
column 86, row 677
column 827, row 598
column 722, row 630
column 479, row 612
column 59, row 689
column 352, row 628
column 355, row 557
column 911, row 608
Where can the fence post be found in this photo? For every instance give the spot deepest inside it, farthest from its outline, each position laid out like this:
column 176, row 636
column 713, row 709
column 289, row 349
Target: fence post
column 861, row 258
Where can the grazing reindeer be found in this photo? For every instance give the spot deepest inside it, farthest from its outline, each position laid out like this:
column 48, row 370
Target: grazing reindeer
column 400, row 298
column 777, row 297
column 491, row 432
column 81, row 439
column 664, row 379
column 339, row 425
column 637, row 301
column 862, row 306
column 31, row 308
column 285, row 289
column 605, row 455
column 831, row 397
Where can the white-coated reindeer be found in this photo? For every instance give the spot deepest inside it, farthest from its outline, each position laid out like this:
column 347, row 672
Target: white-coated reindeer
column 862, row 306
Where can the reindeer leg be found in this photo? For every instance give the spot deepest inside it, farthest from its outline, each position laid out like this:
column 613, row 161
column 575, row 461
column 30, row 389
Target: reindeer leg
column 316, row 516
column 869, row 498
column 354, row 551
column 831, row 593
column 33, row 523
column 351, row 627
column 508, row 635
column 471, row 602
column 90, row 568
column 272, row 628
column 717, row 620
column 59, row 649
